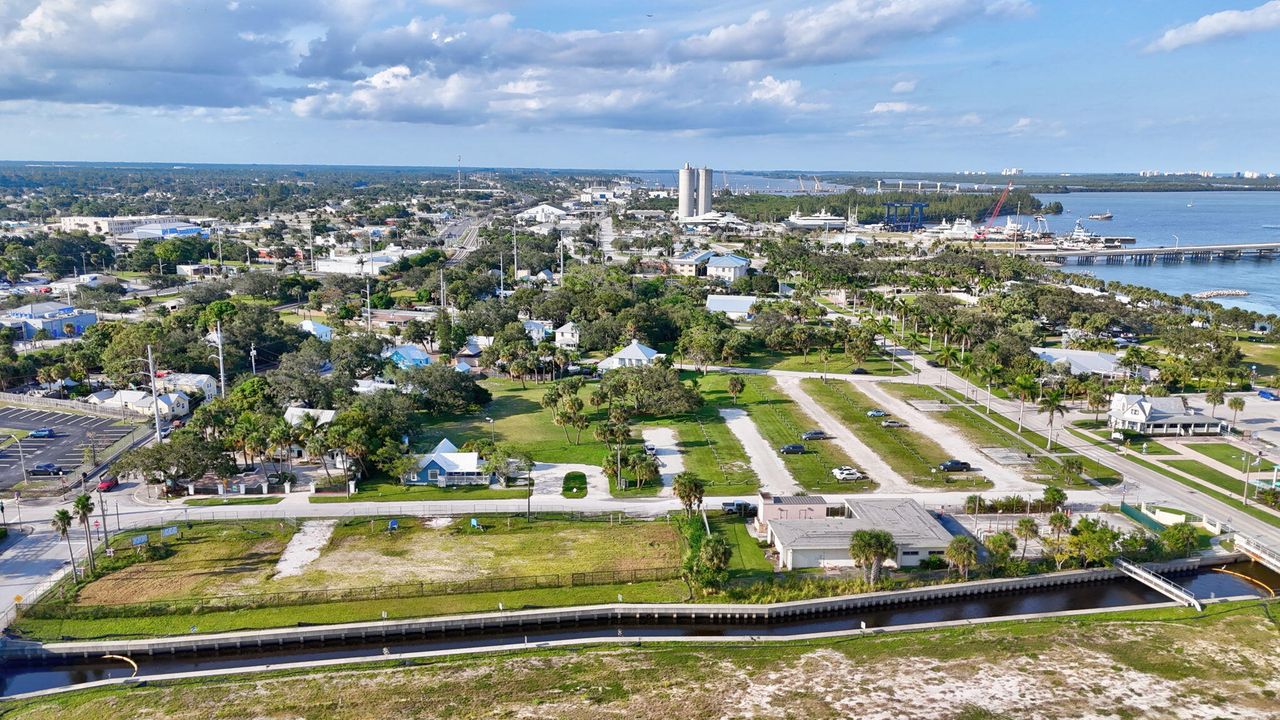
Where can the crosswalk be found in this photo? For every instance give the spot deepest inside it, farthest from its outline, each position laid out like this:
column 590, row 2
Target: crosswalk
column 73, row 433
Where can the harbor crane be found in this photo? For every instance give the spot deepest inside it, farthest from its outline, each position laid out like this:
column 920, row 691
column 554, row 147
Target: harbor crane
column 995, row 212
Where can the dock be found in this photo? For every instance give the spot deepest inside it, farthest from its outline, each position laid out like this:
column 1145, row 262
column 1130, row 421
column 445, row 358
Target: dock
column 1151, row 255
column 1260, row 553
column 1156, row 581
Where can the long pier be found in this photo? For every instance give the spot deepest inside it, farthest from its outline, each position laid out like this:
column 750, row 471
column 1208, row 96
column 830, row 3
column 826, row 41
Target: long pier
column 1150, row 255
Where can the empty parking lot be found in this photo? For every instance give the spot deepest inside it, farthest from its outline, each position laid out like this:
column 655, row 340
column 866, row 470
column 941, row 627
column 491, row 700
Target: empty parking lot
column 72, row 434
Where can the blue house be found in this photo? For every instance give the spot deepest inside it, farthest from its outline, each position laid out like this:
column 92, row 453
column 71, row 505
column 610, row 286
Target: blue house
column 445, row 466
column 52, row 317
column 407, row 356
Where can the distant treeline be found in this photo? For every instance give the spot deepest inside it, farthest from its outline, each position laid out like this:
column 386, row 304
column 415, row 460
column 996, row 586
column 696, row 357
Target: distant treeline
column 870, row 208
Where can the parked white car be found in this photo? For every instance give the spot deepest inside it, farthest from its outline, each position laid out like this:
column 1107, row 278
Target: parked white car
column 846, row 473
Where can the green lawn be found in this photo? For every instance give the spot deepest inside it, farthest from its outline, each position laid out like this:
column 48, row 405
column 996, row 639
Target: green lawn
column 1099, row 434
column 781, row 422
column 1229, row 455
column 837, row 364
column 974, row 426
column 709, row 449
column 1232, row 484
column 387, row 490
column 1232, row 500
column 1265, row 355
column 912, row 454
column 747, row 561
column 234, row 500
column 574, row 486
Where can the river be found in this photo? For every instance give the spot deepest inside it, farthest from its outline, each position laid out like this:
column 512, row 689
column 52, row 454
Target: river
column 1196, row 218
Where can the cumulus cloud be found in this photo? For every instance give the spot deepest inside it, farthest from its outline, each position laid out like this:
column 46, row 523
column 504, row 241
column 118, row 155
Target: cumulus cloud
column 903, row 86
column 1228, row 23
column 896, row 107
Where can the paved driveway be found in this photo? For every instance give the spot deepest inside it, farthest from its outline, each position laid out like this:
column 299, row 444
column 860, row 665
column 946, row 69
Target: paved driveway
column 72, row 434
column 774, row 476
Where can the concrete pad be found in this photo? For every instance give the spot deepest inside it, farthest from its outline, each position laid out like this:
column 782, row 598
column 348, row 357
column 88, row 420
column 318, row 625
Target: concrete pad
column 1007, row 456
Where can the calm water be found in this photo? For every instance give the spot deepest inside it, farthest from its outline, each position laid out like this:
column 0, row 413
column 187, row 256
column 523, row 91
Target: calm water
column 1197, row 218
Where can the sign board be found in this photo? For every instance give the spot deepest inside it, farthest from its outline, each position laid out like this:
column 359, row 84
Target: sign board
column 169, row 531
column 139, row 540
column 393, row 524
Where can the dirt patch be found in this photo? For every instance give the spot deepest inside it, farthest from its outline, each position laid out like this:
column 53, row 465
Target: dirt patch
column 305, row 547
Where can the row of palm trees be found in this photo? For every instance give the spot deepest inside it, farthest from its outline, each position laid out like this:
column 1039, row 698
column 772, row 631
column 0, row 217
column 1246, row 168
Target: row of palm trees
column 63, row 520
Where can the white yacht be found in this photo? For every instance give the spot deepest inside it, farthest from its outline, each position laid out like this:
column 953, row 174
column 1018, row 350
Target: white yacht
column 823, row 220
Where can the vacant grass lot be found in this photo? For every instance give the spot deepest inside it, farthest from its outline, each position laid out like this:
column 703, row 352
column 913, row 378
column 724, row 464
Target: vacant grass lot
column 383, row 489
column 1136, row 664
column 233, row 500
column 781, row 422
column 747, row 561
column 837, row 364
column 909, row 452
column 983, row 433
column 208, row 559
column 362, row 553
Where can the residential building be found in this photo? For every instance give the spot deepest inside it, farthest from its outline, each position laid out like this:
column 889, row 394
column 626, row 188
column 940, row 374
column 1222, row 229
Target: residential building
column 538, row 330
column 567, row 336
column 172, row 405
column 445, row 466
column 189, row 383
column 805, row 543
column 1160, row 416
column 633, row 355
column 56, row 318
column 197, row 271
column 369, row 386
column 692, row 263
column 736, row 307
column 296, row 415
column 407, row 356
column 727, row 268
column 318, row 330
column 475, row 345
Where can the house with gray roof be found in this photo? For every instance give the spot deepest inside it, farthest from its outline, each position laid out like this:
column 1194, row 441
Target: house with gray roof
column 636, row 354
column 824, row 541
column 1088, row 362
column 736, row 307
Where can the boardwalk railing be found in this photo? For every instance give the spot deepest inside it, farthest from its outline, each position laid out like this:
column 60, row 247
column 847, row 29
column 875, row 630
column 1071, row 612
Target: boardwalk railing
column 1255, row 549
column 1158, row 582
column 56, row 610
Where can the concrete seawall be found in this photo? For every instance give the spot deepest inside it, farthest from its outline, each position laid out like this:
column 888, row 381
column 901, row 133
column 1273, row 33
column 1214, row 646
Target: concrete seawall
column 479, row 623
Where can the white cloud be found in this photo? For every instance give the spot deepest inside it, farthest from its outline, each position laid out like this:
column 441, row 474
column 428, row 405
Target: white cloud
column 1228, row 23
column 778, row 92
column 897, row 107
column 1022, row 125
column 903, row 86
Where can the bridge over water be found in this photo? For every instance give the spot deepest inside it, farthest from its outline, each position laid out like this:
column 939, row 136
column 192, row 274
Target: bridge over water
column 1150, row 255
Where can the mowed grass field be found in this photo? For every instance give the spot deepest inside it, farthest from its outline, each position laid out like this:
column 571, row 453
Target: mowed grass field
column 1229, row 455
column 363, row 553
column 710, row 450
column 837, row 363
column 781, row 422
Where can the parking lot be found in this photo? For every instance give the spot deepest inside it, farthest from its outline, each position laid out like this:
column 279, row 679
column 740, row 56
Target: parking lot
column 72, row 433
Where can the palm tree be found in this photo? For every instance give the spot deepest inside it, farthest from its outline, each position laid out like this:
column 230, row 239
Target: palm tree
column 1235, row 405
column 947, row 357
column 1026, row 530
column 1052, row 404
column 82, row 509
column 1001, row 545
column 870, row 548
column 1024, row 386
column 318, row 445
column 690, row 489
column 62, row 525
column 989, row 373
column 1214, row 396
column 1059, row 523
column 961, row 554
column 736, row 386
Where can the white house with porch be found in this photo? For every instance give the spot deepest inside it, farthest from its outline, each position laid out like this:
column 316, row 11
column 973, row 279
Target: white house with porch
column 1160, row 416
column 634, row 355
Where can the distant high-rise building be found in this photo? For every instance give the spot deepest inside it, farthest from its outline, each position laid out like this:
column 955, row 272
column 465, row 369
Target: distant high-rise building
column 685, row 206
column 706, row 179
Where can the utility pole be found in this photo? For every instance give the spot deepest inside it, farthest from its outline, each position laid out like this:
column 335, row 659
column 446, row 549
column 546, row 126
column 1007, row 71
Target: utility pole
column 253, row 357
column 442, row 301
column 103, row 504
column 311, row 235
column 515, row 259
column 222, row 370
column 151, row 370
column 561, row 243
column 502, row 275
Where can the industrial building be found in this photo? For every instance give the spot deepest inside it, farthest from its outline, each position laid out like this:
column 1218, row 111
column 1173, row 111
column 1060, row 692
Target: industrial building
column 695, row 192
column 55, row 318
column 114, row 225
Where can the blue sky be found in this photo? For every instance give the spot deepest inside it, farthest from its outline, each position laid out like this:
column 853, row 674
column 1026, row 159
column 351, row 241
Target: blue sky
column 1048, row 85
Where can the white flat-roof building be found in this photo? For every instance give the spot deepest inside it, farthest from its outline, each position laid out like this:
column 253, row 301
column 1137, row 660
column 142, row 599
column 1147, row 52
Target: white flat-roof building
column 736, row 307
column 542, row 214
column 57, row 319
column 370, row 263
column 189, row 383
column 118, row 225
column 823, row 541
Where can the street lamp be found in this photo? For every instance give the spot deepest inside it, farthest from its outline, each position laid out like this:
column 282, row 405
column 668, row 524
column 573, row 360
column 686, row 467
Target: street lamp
column 21, row 458
column 492, row 438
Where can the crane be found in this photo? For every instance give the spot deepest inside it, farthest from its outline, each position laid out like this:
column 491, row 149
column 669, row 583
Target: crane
column 995, row 212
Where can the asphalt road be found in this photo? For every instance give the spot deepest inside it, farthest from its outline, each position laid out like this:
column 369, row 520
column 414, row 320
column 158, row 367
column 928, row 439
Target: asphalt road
column 66, row 448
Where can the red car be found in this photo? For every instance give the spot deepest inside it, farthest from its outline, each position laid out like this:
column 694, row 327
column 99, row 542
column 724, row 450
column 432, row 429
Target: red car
column 108, row 484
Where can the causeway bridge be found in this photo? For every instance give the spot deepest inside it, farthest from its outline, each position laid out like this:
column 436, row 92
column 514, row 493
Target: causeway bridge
column 1161, row 254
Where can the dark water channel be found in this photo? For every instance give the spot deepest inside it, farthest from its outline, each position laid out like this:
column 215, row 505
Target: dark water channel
column 26, row 677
